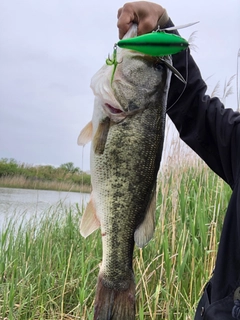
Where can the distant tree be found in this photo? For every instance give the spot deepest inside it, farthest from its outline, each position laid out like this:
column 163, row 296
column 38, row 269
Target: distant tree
column 8, row 167
column 69, row 167
column 9, row 161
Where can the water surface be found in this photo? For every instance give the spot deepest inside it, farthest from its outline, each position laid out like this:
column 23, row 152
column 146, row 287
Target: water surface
column 26, row 203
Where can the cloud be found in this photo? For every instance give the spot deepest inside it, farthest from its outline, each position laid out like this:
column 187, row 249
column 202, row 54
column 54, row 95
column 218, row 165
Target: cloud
column 51, row 49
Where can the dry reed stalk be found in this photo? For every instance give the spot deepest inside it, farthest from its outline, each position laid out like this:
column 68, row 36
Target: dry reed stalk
column 24, row 183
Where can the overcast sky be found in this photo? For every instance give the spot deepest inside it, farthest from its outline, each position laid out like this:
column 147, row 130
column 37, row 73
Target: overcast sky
column 50, row 49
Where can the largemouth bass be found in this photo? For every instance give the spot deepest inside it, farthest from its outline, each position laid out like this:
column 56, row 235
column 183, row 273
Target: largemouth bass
column 127, row 133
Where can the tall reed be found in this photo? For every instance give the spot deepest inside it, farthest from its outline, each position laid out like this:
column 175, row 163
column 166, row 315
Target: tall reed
column 48, row 271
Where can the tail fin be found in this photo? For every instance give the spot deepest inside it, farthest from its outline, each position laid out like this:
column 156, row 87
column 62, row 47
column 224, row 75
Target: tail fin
column 114, row 304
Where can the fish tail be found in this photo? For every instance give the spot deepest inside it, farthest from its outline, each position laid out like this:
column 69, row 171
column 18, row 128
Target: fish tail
column 114, row 304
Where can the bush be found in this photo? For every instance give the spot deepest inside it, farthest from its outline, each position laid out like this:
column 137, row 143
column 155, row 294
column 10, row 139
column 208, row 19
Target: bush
column 8, row 167
column 64, row 173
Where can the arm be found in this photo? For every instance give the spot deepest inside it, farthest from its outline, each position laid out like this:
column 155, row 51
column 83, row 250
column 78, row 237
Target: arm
column 203, row 123
column 212, row 131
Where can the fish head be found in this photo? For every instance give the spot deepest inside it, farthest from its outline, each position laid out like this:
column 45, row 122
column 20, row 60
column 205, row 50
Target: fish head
column 136, row 83
column 140, row 81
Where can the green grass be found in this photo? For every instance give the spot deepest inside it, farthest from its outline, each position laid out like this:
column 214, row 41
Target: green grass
column 48, row 271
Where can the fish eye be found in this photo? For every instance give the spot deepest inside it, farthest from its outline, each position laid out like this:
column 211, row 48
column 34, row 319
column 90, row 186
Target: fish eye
column 158, row 65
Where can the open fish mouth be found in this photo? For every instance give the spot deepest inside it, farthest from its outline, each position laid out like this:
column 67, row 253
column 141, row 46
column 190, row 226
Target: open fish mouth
column 114, row 113
column 112, row 109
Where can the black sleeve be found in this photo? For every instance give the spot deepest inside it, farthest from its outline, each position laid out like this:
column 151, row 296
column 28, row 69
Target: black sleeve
column 203, row 123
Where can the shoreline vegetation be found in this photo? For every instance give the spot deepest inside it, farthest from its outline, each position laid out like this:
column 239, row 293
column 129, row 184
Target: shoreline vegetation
column 66, row 177
column 48, row 271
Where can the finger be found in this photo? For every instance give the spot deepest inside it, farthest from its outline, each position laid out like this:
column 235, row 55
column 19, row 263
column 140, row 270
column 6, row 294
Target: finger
column 119, row 12
column 122, row 31
column 145, row 26
column 125, row 20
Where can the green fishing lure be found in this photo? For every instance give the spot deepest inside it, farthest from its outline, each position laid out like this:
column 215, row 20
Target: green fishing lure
column 156, row 44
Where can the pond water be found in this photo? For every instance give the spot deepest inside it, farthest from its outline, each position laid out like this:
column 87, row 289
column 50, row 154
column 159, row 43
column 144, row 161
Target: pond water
column 28, row 203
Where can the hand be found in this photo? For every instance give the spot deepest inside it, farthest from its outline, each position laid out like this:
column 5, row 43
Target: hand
column 145, row 14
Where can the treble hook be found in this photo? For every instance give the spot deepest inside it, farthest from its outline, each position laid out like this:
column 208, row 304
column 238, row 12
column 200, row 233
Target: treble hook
column 113, row 61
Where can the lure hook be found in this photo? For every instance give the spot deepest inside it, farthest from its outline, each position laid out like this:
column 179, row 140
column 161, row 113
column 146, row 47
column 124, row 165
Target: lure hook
column 113, row 61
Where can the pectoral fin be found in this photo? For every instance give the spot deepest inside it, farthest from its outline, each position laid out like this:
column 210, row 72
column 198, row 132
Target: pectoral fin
column 89, row 222
column 85, row 135
column 100, row 137
column 145, row 230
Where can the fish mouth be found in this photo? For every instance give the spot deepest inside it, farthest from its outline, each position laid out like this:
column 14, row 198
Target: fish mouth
column 113, row 110
column 115, row 114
